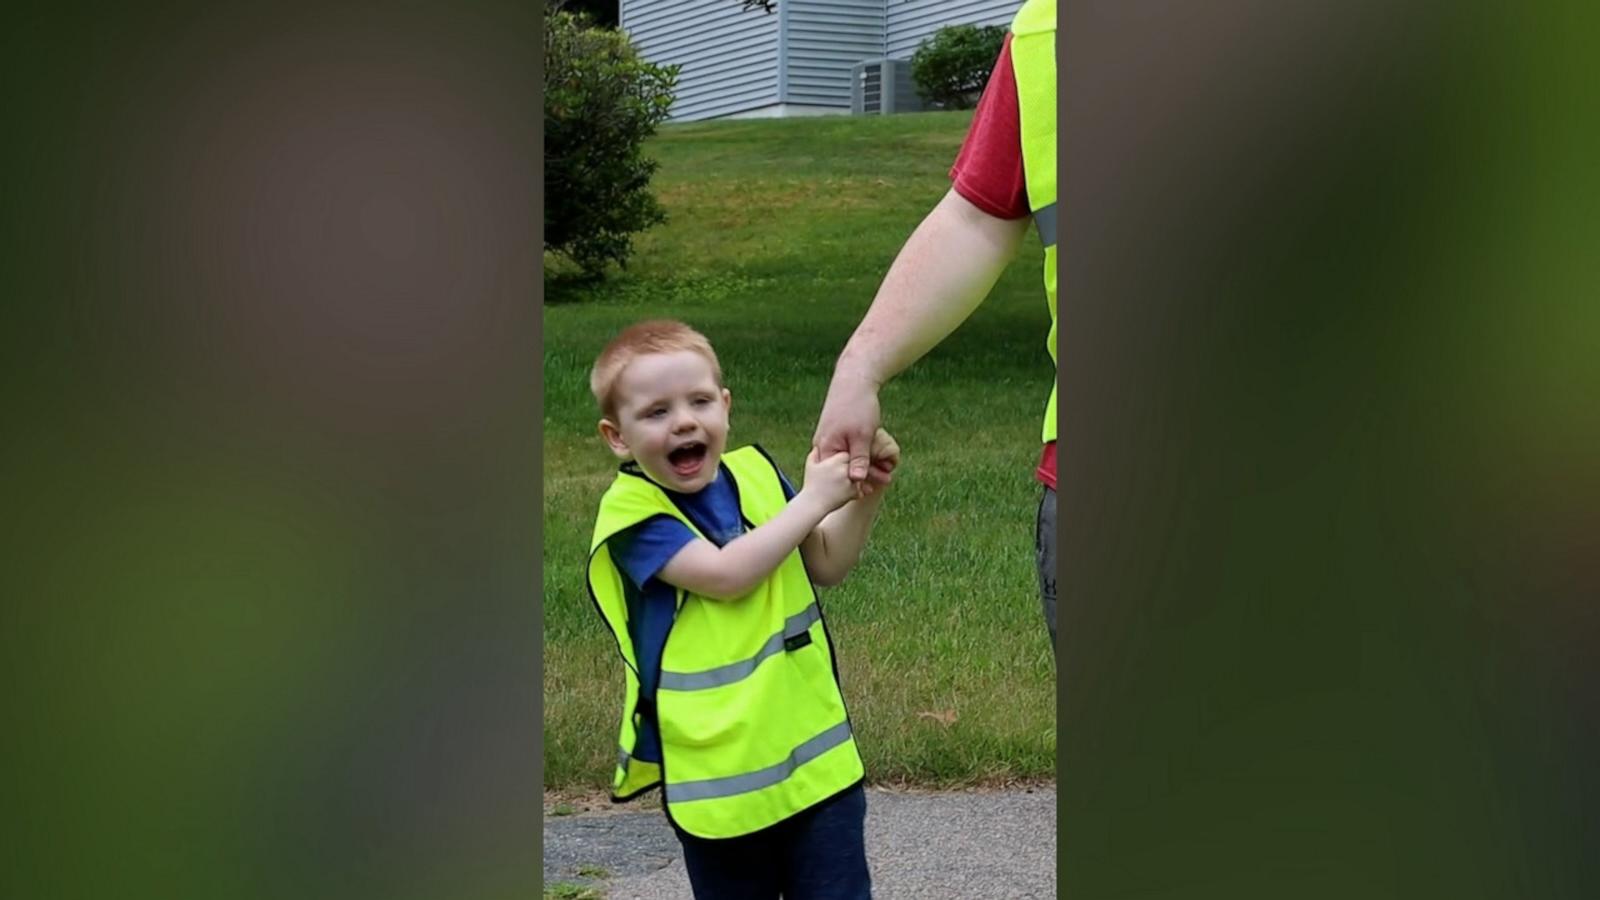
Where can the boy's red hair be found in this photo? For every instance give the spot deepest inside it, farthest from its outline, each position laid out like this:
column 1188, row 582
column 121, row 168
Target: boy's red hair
column 654, row 336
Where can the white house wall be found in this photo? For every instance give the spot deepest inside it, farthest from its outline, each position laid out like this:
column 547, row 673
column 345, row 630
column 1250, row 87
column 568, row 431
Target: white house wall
column 728, row 55
column 823, row 39
column 910, row 22
column 747, row 62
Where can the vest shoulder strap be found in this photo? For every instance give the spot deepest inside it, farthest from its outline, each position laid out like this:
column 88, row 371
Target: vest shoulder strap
column 1033, row 58
column 628, row 501
column 1035, row 16
column 755, row 476
column 632, row 498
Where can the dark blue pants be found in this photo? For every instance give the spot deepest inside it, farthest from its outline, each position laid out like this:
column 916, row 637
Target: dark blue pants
column 818, row 854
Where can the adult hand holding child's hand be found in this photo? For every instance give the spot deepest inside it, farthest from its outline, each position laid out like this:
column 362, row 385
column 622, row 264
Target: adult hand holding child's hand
column 849, row 424
column 849, row 415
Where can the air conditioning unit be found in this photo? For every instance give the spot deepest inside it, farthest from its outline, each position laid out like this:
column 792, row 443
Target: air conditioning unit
column 882, row 86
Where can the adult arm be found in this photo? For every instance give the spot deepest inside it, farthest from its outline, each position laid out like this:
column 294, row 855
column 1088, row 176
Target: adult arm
column 939, row 277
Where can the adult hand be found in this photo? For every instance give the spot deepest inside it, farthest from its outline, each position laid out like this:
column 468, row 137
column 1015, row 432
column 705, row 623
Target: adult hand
column 848, row 422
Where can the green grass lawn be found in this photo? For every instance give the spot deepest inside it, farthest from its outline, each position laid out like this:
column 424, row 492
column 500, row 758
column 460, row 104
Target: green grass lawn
column 780, row 232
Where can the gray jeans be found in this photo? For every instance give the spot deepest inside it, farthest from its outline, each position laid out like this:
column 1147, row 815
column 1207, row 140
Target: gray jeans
column 1044, row 546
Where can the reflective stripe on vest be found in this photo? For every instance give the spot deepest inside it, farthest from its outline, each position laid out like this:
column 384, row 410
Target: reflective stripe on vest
column 753, row 726
column 796, row 625
column 1033, row 60
column 755, row 781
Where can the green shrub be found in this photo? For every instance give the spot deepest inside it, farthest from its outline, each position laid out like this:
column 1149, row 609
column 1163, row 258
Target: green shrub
column 951, row 67
column 601, row 101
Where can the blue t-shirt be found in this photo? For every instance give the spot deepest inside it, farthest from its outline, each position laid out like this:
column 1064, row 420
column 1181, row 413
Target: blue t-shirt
column 640, row 552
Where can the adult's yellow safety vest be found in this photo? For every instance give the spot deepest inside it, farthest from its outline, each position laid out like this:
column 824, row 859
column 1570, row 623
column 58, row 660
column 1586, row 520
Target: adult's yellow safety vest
column 1033, row 60
column 752, row 722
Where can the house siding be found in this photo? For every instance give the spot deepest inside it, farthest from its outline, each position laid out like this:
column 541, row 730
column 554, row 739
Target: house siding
column 910, row 22
column 728, row 56
column 734, row 60
column 823, row 40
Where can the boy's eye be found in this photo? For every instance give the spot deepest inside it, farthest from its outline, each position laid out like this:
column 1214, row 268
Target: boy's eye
column 657, row 412
column 701, row 401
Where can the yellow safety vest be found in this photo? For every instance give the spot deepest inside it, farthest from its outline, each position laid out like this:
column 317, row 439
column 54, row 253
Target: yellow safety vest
column 752, row 722
column 1033, row 60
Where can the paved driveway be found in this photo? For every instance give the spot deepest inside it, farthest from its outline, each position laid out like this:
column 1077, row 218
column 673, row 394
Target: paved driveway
column 954, row 845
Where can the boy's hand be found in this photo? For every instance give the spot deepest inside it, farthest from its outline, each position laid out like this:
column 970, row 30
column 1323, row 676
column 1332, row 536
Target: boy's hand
column 828, row 479
column 885, row 457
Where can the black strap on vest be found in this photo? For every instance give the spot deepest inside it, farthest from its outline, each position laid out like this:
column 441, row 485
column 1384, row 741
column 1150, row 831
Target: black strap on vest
column 1045, row 219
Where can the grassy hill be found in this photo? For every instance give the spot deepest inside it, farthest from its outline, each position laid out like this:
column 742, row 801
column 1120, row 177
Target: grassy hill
column 780, row 232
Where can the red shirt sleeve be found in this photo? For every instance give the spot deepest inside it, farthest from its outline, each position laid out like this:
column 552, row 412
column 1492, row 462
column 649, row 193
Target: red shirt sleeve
column 988, row 170
column 1046, row 472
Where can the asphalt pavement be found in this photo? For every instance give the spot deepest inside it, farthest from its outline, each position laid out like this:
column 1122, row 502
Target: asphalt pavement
column 924, row 845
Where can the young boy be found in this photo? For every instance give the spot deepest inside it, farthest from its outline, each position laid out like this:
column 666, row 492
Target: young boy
column 702, row 564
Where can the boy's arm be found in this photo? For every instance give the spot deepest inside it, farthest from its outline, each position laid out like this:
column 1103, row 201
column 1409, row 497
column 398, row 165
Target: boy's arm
column 834, row 547
column 733, row 570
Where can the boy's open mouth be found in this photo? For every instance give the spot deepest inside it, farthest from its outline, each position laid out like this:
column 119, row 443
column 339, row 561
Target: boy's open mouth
column 686, row 460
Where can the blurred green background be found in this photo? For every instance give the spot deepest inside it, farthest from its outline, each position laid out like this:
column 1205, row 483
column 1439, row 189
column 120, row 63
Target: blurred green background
column 270, row 621
column 1330, row 371
column 271, row 452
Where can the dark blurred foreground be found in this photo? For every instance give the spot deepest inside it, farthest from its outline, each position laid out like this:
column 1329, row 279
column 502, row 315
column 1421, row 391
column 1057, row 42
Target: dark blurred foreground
column 1329, row 477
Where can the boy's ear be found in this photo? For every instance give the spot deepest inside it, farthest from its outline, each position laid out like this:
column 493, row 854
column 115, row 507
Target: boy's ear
column 613, row 436
column 727, row 401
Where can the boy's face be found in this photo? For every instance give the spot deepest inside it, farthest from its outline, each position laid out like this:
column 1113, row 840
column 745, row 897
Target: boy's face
column 671, row 418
